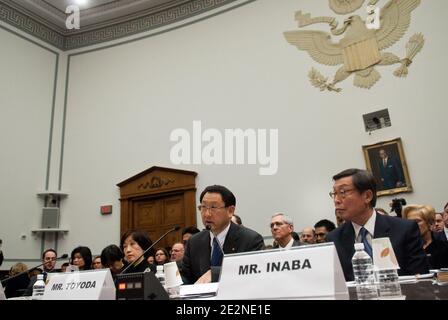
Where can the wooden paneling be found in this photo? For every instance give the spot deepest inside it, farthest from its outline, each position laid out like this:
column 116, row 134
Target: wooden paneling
column 156, row 200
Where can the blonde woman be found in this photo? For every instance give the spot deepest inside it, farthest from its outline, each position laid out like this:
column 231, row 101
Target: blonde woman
column 436, row 250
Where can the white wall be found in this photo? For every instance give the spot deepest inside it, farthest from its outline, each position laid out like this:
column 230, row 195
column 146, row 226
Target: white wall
column 237, row 71
column 26, row 95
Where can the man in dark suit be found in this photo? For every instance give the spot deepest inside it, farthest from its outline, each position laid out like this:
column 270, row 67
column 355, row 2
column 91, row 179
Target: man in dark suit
column 282, row 228
column 391, row 171
column 354, row 195
column 204, row 251
column 443, row 234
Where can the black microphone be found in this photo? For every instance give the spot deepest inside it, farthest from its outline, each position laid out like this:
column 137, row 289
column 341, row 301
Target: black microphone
column 175, row 228
column 64, row 256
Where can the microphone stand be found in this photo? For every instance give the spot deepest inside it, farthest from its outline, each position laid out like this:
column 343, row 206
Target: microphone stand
column 64, row 256
column 175, row 228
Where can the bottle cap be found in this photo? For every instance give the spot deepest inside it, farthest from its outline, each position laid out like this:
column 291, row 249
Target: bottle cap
column 40, row 277
column 359, row 246
column 159, row 268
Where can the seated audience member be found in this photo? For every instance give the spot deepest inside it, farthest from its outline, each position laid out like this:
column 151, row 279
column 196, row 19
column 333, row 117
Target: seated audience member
column 49, row 260
column 444, row 234
column 236, row 219
column 96, row 263
column 162, row 256
column 64, row 266
column 322, row 228
column 177, row 252
column 307, row 236
column 436, row 250
column 82, row 258
column 204, row 250
column 282, row 228
column 15, row 287
column 134, row 243
column 151, row 260
column 187, row 232
column 112, row 258
column 438, row 223
column 354, row 196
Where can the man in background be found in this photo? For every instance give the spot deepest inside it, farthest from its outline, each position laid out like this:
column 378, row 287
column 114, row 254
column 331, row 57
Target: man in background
column 282, row 228
column 322, row 228
column 307, row 236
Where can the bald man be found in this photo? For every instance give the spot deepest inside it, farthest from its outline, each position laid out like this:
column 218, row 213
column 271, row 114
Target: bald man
column 307, row 236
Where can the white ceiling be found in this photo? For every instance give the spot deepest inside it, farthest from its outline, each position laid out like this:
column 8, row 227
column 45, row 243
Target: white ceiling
column 94, row 14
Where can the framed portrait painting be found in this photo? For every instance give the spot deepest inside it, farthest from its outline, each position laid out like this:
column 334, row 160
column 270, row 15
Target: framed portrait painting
column 386, row 161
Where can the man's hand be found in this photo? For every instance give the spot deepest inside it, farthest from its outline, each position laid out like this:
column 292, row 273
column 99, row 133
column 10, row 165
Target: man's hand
column 205, row 278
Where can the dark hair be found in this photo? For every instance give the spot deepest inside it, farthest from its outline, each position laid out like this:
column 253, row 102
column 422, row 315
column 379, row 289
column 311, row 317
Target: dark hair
column 363, row 180
column 141, row 237
column 238, row 219
column 86, row 254
column 295, row 236
column 65, row 264
column 49, row 250
column 165, row 252
column 190, row 230
column 329, row 225
column 226, row 194
column 110, row 254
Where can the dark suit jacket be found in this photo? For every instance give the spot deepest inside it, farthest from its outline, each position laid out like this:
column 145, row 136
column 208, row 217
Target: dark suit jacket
column 403, row 234
column 391, row 174
column 196, row 259
column 441, row 236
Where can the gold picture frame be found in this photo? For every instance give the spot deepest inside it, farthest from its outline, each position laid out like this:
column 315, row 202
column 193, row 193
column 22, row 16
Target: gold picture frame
column 386, row 161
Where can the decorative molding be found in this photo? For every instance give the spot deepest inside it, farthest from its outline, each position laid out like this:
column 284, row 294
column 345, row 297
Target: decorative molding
column 29, row 25
column 155, row 183
column 120, row 30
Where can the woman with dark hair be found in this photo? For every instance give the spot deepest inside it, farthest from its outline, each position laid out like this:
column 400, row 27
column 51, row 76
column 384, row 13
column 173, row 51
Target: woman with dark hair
column 133, row 243
column 162, row 256
column 82, row 258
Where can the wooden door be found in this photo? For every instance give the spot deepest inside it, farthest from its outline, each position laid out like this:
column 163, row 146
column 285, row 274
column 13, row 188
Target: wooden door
column 156, row 200
column 157, row 216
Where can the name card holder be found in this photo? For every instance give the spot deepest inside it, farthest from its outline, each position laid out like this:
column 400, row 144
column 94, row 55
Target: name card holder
column 83, row 285
column 305, row 272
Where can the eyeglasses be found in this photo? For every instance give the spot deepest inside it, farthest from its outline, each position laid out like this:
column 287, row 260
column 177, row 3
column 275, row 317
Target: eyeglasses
column 341, row 193
column 278, row 224
column 212, row 209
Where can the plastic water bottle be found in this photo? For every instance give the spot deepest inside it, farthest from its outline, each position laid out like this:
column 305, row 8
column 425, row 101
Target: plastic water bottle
column 160, row 275
column 364, row 275
column 39, row 288
column 388, row 284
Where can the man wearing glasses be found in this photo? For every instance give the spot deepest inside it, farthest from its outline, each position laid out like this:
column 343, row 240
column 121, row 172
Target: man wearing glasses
column 354, row 196
column 49, row 263
column 282, row 228
column 204, row 251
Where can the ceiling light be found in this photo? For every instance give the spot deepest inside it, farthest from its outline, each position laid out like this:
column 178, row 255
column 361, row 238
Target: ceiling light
column 80, row 2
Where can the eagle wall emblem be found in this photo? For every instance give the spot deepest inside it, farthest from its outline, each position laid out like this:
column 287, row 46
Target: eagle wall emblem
column 360, row 50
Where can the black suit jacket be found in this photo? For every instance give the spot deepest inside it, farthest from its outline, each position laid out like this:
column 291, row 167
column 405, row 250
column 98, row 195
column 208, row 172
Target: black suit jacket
column 403, row 234
column 196, row 259
column 441, row 236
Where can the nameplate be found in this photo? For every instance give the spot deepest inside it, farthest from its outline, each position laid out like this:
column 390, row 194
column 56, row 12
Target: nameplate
column 383, row 254
column 83, row 285
column 306, row 272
